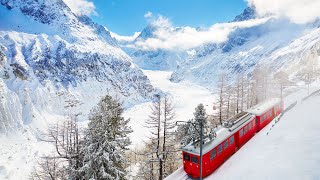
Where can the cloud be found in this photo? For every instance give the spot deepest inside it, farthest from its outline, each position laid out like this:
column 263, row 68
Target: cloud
column 165, row 36
column 81, row 7
column 148, row 14
column 298, row 11
column 124, row 38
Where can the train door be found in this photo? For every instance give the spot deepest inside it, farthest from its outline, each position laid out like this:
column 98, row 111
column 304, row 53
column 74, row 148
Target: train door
column 237, row 141
column 257, row 123
column 187, row 163
column 206, row 164
column 195, row 166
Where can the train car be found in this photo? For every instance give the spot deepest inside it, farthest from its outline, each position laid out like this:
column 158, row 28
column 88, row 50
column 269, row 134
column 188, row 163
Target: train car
column 229, row 138
column 265, row 112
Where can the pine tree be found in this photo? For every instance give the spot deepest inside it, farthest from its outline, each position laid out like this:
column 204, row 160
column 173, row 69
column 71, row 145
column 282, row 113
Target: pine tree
column 106, row 141
column 189, row 132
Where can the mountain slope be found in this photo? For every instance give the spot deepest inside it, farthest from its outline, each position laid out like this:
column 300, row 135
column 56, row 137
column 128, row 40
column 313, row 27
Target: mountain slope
column 53, row 60
column 278, row 43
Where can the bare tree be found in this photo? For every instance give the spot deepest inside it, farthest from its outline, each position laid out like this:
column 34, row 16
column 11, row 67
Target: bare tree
column 49, row 168
column 161, row 144
column 154, row 125
column 168, row 138
column 65, row 137
column 282, row 79
column 221, row 88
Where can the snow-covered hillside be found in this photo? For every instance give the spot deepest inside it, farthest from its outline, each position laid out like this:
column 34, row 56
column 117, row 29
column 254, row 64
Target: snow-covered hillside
column 51, row 59
column 288, row 150
column 54, row 63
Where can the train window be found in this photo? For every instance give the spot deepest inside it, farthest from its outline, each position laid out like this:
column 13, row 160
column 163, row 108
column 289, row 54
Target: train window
column 231, row 140
column 250, row 125
column 220, row 149
column 186, row 157
column 245, row 129
column 212, row 154
column 241, row 132
column 226, row 144
column 195, row 159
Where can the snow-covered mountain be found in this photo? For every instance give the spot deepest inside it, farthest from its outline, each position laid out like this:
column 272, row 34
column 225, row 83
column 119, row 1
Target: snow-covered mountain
column 278, row 43
column 52, row 60
column 168, row 59
column 155, row 59
column 274, row 41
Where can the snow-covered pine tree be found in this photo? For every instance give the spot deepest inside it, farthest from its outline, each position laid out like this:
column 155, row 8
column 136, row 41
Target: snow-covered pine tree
column 182, row 133
column 106, row 140
column 189, row 132
column 200, row 115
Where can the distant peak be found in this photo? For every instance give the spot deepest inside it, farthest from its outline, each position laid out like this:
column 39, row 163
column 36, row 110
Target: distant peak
column 248, row 13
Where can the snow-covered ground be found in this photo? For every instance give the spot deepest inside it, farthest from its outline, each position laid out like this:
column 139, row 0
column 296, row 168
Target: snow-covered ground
column 20, row 152
column 185, row 96
column 288, row 151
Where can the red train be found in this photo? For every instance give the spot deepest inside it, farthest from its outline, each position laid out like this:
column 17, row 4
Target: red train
column 229, row 138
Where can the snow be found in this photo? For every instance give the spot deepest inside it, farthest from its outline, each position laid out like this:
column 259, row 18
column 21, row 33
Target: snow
column 285, row 150
column 261, row 108
column 185, row 95
column 20, row 151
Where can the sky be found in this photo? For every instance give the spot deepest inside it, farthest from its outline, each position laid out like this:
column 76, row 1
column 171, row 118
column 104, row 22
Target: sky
column 125, row 17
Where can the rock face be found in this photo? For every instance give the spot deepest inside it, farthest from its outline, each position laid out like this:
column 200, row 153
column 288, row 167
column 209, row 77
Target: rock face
column 52, row 60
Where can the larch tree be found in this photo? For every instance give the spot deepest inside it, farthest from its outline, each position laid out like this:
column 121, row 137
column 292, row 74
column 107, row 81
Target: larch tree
column 168, row 149
column 66, row 161
column 221, row 101
column 161, row 124
column 154, row 125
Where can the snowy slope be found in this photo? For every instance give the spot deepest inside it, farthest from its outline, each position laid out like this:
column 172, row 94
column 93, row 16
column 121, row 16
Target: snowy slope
column 288, row 151
column 47, row 51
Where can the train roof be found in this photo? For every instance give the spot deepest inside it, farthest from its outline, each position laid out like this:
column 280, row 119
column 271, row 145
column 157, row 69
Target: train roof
column 222, row 133
column 261, row 108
